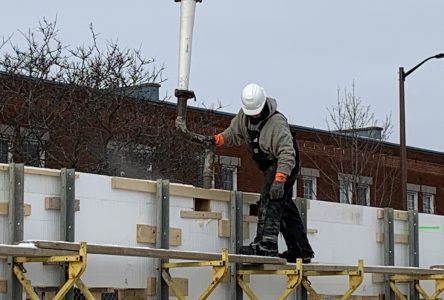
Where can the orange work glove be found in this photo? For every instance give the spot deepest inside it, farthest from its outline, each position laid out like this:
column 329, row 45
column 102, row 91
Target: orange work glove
column 218, row 139
column 277, row 187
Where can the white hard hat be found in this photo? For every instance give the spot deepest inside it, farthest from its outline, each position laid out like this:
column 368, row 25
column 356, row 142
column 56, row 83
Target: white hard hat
column 253, row 99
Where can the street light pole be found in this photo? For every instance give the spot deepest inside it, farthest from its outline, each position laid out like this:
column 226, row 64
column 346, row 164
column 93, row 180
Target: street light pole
column 402, row 143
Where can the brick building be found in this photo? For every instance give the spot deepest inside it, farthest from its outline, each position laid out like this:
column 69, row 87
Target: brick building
column 131, row 133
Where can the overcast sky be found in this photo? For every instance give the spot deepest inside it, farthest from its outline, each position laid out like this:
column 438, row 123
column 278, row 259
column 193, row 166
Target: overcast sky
column 302, row 52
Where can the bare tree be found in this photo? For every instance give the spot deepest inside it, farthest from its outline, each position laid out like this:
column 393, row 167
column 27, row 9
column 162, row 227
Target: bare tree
column 355, row 157
column 89, row 108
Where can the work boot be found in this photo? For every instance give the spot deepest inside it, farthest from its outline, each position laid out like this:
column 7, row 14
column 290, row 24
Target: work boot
column 248, row 250
column 260, row 249
column 291, row 256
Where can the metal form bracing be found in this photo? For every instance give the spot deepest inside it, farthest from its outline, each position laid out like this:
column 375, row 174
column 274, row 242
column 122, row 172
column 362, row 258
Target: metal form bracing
column 16, row 221
column 236, row 239
column 293, row 273
column 301, row 204
column 162, row 233
column 76, row 267
column 220, row 268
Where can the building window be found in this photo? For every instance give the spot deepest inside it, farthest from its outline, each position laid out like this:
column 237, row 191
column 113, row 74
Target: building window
column 32, row 154
column 412, row 200
column 309, row 186
column 309, row 183
column 354, row 189
column 227, row 176
column 4, row 151
column 428, row 199
column 362, row 194
column 428, row 203
column 344, row 192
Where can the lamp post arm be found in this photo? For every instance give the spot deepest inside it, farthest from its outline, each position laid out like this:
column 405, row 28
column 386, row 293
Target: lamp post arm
column 440, row 55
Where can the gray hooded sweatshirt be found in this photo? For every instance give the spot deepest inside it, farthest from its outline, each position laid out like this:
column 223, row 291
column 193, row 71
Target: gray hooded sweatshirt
column 275, row 138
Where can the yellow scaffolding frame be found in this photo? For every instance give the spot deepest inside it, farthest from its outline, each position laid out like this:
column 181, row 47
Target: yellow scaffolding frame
column 355, row 279
column 296, row 275
column 76, row 266
column 294, row 278
column 220, row 268
column 439, row 285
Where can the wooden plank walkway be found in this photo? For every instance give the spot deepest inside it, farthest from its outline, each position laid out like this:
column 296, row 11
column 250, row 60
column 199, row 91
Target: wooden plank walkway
column 157, row 253
column 321, row 267
column 30, row 250
column 57, row 248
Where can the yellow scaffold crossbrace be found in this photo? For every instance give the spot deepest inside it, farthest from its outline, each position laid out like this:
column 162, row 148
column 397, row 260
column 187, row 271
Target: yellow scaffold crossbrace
column 439, row 285
column 76, row 266
column 294, row 278
column 355, row 279
column 220, row 268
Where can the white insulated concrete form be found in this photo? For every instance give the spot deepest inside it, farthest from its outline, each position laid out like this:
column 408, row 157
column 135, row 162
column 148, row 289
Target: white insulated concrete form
column 118, row 211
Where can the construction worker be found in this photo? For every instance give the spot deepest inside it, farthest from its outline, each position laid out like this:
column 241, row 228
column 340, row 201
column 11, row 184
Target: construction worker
column 272, row 147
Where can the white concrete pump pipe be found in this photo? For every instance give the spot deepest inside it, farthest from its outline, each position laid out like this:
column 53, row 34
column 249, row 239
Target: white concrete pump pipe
column 187, row 13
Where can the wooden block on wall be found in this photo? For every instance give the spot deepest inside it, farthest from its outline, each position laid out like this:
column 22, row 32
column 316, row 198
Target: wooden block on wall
column 147, row 234
column 223, row 228
column 246, row 230
column 312, row 230
column 399, row 238
column 180, row 283
column 200, row 214
column 3, row 286
column 4, row 209
column 397, row 215
column 400, row 215
column 151, row 286
column 27, row 210
column 175, row 236
column 131, row 294
column 54, row 203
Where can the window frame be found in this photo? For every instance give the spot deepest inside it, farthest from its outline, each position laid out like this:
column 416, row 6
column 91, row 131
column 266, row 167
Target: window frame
column 430, row 207
column 231, row 165
column 414, row 200
column 313, row 187
column 348, row 185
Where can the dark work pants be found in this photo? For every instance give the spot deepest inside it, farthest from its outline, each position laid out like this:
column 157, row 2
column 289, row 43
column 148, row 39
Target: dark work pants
column 281, row 215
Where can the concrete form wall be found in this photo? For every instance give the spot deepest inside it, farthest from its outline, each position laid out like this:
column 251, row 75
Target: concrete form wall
column 339, row 234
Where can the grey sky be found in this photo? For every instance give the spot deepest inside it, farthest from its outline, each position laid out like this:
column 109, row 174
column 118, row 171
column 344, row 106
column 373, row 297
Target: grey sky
column 300, row 51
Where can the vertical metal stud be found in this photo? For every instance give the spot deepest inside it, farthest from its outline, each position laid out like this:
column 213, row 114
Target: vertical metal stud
column 236, row 240
column 413, row 250
column 67, row 215
column 389, row 249
column 162, row 233
column 67, row 206
column 16, row 220
column 301, row 204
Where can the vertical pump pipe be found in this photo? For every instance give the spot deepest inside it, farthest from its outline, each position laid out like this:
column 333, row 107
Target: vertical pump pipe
column 187, row 16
